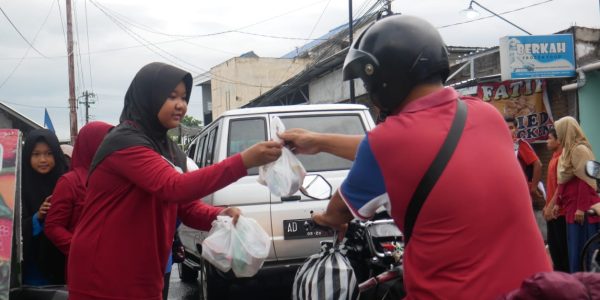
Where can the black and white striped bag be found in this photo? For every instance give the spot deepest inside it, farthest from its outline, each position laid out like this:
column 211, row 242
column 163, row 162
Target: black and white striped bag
column 327, row 275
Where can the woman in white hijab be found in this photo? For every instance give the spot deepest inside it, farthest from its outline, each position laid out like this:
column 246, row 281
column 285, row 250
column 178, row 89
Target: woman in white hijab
column 576, row 190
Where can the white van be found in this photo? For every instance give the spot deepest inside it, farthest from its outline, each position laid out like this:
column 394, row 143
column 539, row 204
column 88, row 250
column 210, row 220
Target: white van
column 281, row 217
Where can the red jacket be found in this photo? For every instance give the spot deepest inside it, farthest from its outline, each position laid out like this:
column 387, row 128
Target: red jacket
column 121, row 245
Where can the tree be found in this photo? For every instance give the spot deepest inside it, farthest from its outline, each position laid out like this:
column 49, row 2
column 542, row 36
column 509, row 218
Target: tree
column 190, row 121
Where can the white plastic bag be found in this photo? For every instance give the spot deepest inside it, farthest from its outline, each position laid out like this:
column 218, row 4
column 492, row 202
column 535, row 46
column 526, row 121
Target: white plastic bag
column 251, row 245
column 216, row 248
column 285, row 175
column 242, row 248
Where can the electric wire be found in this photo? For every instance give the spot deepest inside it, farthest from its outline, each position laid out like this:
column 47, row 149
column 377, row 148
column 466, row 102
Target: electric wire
column 124, row 19
column 77, row 45
column 87, row 36
column 491, row 16
column 62, row 26
column 12, row 72
column 20, row 34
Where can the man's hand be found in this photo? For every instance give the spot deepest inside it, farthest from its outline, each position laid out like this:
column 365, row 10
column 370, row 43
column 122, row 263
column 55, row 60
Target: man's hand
column 548, row 213
column 301, row 141
column 261, row 153
column 44, row 208
column 341, row 229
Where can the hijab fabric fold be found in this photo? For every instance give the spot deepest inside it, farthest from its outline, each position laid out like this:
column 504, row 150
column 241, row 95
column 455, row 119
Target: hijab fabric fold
column 139, row 124
column 576, row 151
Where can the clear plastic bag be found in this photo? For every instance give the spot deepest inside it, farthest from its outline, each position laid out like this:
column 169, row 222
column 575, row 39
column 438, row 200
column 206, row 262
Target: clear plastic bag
column 285, row 175
column 251, row 245
column 216, row 248
column 242, row 248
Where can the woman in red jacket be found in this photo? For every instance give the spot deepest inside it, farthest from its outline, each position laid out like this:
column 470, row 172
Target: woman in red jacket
column 576, row 191
column 69, row 193
column 136, row 191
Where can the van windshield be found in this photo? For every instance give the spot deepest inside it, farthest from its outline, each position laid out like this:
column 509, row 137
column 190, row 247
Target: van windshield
column 340, row 124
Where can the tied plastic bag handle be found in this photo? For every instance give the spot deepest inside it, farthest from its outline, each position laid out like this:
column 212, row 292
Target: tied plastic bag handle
column 284, row 176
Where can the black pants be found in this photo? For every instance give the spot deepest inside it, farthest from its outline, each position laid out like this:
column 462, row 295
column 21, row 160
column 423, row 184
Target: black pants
column 166, row 286
column 557, row 243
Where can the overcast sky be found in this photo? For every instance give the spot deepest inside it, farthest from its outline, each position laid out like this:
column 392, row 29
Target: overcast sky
column 109, row 55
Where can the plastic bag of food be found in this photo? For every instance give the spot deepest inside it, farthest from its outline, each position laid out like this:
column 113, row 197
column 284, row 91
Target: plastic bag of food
column 285, row 175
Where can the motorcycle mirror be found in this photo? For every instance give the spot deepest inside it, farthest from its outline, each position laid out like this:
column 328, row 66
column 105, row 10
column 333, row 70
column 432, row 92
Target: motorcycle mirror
column 316, row 187
column 592, row 168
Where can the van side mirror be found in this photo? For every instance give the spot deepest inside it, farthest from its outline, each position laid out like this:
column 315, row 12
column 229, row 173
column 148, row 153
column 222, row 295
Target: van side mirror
column 592, row 169
column 316, row 187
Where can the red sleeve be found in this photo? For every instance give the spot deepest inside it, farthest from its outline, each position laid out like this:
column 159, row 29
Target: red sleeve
column 526, row 153
column 59, row 215
column 198, row 215
column 152, row 173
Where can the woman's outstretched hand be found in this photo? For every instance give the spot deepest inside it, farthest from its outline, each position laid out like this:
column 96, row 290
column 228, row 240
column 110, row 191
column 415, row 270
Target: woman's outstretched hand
column 261, row 153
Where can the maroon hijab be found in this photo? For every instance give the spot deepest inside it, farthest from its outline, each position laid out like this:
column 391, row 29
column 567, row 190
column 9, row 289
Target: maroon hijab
column 89, row 139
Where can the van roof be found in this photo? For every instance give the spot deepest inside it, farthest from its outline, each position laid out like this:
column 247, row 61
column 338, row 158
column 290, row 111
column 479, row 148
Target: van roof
column 292, row 108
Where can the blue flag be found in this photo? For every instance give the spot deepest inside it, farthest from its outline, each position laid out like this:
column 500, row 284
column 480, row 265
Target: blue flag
column 47, row 121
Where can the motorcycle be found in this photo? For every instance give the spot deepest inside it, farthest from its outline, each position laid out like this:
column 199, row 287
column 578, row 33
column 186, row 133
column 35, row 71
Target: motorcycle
column 374, row 249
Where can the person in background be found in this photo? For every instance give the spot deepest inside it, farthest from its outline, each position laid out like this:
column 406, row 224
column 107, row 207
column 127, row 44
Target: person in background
column 475, row 211
column 576, row 191
column 556, row 224
column 68, row 151
column 42, row 163
column 69, row 193
column 138, row 187
column 530, row 162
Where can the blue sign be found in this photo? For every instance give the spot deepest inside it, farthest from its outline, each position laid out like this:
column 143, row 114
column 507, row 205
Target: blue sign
column 537, row 56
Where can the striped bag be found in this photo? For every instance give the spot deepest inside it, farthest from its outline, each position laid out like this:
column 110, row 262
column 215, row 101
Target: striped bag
column 326, row 275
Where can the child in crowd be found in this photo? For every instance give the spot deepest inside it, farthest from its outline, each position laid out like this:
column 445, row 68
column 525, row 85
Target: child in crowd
column 69, row 193
column 136, row 191
column 42, row 163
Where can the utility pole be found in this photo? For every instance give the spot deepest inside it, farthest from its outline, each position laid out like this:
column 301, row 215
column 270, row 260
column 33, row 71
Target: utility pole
column 350, row 34
column 71, row 67
column 89, row 99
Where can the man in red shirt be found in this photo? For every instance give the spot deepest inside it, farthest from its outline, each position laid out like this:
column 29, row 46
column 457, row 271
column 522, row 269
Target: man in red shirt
column 530, row 162
column 475, row 236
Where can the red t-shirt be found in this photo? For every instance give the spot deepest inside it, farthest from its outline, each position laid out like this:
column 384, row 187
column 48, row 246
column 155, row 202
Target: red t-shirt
column 121, row 245
column 551, row 179
column 475, row 236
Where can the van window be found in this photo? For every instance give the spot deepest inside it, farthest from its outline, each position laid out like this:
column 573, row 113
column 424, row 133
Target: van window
column 210, row 147
column 192, row 151
column 341, row 124
column 244, row 133
column 199, row 157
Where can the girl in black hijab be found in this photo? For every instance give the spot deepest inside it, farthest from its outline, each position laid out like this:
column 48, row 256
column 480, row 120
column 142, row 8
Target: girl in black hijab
column 42, row 163
column 136, row 192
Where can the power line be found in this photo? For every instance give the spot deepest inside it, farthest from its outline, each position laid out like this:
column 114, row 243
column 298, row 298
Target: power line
column 319, row 19
column 35, row 106
column 502, row 13
column 29, row 48
column 87, row 36
column 132, row 23
column 22, row 36
column 62, row 26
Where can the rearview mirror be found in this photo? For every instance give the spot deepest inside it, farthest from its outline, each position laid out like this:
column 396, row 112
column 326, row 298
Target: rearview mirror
column 592, row 168
column 316, row 187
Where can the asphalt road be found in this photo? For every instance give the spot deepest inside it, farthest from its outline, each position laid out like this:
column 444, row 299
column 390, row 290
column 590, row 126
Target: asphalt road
column 275, row 286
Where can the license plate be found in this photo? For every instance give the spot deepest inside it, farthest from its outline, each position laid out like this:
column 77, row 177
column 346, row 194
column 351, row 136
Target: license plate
column 296, row 229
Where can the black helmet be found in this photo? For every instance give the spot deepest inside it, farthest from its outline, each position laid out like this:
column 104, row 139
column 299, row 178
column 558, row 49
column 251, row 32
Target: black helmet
column 395, row 54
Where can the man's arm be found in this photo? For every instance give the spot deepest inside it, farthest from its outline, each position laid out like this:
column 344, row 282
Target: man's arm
column 336, row 215
column 303, row 141
column 536, row 177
